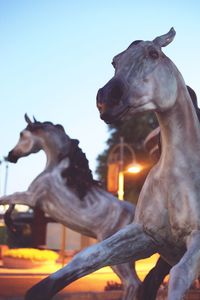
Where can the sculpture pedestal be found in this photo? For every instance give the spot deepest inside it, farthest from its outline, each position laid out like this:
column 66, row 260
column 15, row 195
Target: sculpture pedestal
column 192, row 295
column 18, row 263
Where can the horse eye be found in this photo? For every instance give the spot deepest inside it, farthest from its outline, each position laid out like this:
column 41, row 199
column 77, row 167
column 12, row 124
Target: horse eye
column 153, row 54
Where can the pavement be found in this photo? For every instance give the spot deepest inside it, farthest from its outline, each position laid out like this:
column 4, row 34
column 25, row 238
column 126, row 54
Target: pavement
column 15, row 282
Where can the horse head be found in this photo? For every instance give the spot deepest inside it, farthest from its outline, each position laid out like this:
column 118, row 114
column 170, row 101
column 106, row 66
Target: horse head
column 140, row 70
column 27, row 143
column 39, row 135
column 59, row 147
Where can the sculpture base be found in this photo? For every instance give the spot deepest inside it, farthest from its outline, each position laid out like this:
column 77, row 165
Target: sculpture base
column 19, row 263
column 192, row 295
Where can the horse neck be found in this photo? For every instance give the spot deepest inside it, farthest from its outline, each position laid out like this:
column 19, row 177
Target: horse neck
column 54, row 151
column 180, row 130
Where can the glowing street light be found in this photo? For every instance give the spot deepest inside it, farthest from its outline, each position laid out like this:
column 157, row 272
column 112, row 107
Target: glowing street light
column 135, row 168
column 116, row 167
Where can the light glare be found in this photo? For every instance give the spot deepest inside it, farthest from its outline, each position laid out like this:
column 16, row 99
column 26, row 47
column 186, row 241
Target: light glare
column 136, row 168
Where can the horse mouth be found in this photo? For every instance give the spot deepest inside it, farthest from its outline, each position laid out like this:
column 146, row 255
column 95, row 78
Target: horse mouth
column 11, row 158
column 110, row 118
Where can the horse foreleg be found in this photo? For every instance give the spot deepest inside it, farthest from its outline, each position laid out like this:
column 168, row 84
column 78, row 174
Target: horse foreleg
column 129, row 279
column 24, row 198
column 187, row 270
column 149, row 287
column 128, row 244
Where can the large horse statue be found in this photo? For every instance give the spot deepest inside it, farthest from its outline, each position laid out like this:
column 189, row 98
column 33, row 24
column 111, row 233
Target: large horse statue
column 171, row 191
column 66, row 191
column 167, row 216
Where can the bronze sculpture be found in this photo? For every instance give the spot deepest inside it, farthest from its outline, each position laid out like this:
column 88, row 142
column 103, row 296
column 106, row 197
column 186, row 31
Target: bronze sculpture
column 168, row 211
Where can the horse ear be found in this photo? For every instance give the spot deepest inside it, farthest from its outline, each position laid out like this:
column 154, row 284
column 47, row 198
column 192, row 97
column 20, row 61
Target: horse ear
column 75, row 142
column 27, row 119
column 34, row 119
column 165, row 39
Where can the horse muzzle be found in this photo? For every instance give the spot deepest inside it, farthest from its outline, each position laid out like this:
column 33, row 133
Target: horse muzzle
column 11, row 157
column 110, row 100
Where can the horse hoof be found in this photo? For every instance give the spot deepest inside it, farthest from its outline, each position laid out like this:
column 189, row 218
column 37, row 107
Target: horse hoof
column 38, row 292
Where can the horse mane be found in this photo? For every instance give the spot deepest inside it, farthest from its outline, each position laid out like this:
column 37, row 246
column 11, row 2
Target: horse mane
column 78, row 175
column 193, row 96
column 134, row 43
column 40, row 125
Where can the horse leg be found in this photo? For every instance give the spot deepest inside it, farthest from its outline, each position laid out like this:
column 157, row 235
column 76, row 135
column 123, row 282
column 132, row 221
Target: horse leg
column 24, row 198
column 187, row 270
column 147, row 290
column 149, row 287
column 129, row 279
column 128, row 244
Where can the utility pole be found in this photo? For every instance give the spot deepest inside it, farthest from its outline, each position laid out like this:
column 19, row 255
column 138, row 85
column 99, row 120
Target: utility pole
column 6, row 179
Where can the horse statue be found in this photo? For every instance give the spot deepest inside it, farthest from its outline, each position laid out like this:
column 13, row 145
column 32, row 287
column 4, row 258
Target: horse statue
column 167, row 215
column 145, row 79
column 67, row 192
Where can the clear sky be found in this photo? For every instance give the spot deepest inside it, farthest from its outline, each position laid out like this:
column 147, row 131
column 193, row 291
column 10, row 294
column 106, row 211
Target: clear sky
column 55, row 55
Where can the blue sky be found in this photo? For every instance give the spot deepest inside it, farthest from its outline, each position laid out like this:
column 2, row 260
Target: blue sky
column 55, row 55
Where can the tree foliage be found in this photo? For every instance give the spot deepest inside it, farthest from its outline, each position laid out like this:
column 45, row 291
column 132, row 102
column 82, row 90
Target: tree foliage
column 134, row 131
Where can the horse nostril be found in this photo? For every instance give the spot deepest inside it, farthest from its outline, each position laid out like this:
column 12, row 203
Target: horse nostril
column 116, row 93
column 110, row 95
column 99, row 99
column 11, row 157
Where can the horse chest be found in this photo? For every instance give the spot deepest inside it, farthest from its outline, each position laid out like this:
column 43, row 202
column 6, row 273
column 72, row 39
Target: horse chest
column 168, row 210
column 184, row 214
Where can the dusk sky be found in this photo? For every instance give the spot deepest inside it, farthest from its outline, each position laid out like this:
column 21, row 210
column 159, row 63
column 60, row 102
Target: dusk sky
column 55, row 55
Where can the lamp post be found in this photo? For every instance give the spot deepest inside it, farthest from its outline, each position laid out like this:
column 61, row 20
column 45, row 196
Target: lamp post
column 0, row 175
column 116, row 157
column 6, row 178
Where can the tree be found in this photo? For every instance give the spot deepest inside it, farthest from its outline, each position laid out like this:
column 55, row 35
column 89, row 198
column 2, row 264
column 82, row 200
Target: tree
column 134, row 131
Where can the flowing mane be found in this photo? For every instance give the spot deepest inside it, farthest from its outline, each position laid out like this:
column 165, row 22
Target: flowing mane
column 41, row 125
column 78, row 175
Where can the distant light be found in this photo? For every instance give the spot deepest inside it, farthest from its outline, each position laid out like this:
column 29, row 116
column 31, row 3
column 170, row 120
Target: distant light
column 136, row 168
column 22, row 208
column 3, row 209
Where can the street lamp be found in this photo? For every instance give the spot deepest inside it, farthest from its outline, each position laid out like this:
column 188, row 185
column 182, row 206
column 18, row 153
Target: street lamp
column 6, row 178
column 116, row 167
column 3, row 161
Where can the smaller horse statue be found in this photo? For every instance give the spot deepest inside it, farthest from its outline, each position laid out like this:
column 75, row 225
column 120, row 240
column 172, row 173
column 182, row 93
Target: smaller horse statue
column 67, row 192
